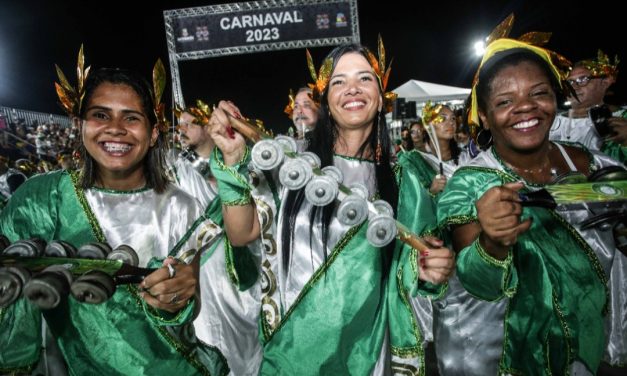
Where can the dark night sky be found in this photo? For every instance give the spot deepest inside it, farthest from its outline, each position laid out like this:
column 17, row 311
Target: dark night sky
column 433, row 43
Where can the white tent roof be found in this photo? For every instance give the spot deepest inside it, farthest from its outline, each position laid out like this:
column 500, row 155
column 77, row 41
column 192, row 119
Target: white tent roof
column 421, row 91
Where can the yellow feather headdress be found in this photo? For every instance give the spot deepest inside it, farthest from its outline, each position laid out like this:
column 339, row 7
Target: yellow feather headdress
column 498, row 41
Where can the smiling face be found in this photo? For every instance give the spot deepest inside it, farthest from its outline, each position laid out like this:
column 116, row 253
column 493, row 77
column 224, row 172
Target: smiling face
column 191, row 133
column 354, row 96
column 117, row 134
column 520, row 108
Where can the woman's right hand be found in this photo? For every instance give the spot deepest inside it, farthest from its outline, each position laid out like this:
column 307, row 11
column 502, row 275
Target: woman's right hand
column 498, row 211
column 438, row 184
column 231, row 143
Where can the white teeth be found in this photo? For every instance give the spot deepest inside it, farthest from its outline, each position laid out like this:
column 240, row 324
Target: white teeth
column 526, row 124
column 353, row 104
column 114, row 147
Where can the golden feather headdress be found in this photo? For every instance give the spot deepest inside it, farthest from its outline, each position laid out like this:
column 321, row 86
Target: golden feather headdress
column 201, row 112
column 321, row 79
column 498, row 41
column 72, row 97
column 602, row 66
column 289, row 108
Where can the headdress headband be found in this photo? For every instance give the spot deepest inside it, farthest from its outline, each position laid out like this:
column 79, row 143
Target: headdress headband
column 498, row 42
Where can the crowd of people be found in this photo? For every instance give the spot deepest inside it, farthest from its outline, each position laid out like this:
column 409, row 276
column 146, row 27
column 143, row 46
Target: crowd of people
column 256, row 274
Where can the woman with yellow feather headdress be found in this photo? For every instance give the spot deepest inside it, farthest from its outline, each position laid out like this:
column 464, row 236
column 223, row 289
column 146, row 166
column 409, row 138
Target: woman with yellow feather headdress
column 537, row 283
column 335, row 304
column 120, row 196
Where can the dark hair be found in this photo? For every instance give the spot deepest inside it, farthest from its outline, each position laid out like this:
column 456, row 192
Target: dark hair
column 504, row 59
column 154, row 162
column 323, row 138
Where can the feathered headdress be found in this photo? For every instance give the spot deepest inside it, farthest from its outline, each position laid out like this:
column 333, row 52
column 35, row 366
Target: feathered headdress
column 158, row 86
column 201, row 112
column 71, row 98
column 498, row 41
column 321, row 79
column 430, row 117
column 602, row 66
column 289, row 108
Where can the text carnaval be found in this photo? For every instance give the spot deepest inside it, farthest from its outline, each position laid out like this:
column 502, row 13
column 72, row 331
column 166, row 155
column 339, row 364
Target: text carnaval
column 274, row 18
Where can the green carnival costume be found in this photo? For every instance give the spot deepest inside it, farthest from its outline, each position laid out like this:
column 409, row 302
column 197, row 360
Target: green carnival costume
column 554, row 281
column 122, row 336
column 342, row 314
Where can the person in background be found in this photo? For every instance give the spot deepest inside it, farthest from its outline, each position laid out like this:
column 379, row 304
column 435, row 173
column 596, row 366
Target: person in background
column 229, row 308
column 590, row 81
column 303, row 111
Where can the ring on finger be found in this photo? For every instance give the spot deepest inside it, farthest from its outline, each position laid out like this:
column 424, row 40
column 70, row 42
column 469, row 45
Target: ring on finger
column 171, row 271
column 175, row 299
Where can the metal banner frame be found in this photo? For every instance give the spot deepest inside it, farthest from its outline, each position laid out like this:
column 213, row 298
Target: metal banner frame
column 172, row 17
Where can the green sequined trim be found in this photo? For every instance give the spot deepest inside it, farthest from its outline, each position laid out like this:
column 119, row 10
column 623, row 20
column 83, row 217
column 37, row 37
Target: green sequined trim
column 91, row 217
column 567, row 334
column 187, row 235
column 121, row 192
column 317, row 275
column 230, row 266
column 18, row 371
column 416, row 350
column 348, row 158
column 490, row 259
column 458, row 220
column 246, row 200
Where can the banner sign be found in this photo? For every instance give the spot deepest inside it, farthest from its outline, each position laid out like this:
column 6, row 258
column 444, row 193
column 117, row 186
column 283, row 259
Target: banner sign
column 259, row 26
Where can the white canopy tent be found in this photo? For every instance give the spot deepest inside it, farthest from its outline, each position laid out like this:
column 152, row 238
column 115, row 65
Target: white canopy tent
column 420, row 92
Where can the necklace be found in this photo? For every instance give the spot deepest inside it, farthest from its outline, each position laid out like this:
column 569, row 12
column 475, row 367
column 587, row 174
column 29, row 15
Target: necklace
column 546, row 165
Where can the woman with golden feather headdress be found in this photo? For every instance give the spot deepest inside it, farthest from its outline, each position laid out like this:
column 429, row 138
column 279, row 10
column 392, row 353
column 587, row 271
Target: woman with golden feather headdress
column 531, row 291
column 120, row 196
column 333, row 303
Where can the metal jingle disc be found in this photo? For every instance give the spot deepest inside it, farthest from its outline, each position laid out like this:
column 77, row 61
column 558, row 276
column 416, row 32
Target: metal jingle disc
column 94, row 251
column 288, row 143
column 48, row 288
column 267, row 155
column 310, row 157
column 353, row 210
column 295, row 173
column 124, row 253
column 335, row 173
column 383, row 207
column 12, row 279
column 321, row 190
column 23, row 248
column 608, row 173
column 360, row 190
column 60, row 248
column 93, row 287
column 381, row 230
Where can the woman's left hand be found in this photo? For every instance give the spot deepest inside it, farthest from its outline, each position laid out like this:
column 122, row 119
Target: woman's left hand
column 436, row 263
column 169, row 288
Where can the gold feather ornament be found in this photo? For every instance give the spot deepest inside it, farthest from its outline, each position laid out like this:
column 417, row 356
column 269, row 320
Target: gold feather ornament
column 71, row 98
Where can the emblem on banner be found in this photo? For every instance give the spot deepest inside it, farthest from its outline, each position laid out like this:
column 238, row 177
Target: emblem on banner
column 340, row 20
column 185, row 36
column 322, row 21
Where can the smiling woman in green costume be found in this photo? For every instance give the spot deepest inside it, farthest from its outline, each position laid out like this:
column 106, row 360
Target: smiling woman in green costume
column 120, row 196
